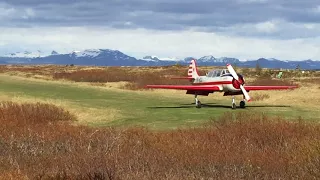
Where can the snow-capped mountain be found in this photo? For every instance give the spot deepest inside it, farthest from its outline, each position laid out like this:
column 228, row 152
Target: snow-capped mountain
column 54, row 53
column 188, row 59
column 26, row 54
column 207, row 59
column 150, row 58
column 108, row 57
column 86, row 53
column 115, row 55
column 218, row 61
column 155, row 58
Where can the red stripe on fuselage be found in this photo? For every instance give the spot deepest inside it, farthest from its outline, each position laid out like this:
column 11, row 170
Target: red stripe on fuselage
column 213, row 83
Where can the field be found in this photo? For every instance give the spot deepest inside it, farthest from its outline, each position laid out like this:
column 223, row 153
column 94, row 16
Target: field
column 70, row 122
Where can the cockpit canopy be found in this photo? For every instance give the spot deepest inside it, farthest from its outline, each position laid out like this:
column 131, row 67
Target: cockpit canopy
column 217, row 72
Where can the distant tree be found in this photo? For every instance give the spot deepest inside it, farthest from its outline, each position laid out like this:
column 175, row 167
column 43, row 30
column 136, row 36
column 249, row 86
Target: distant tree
column 178, row 65
column 258, row 69
column 246, row 71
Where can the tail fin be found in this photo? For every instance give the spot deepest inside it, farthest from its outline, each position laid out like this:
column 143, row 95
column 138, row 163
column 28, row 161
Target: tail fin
column 193, row 71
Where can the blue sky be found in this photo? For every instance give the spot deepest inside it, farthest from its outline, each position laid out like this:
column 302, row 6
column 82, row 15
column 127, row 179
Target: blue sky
column 246, row 29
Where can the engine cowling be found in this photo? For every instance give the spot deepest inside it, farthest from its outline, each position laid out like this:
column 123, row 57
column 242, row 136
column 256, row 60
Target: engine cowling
column 236, row 84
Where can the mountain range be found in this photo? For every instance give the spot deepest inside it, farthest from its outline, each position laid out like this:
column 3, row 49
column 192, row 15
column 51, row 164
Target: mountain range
column 107, row 57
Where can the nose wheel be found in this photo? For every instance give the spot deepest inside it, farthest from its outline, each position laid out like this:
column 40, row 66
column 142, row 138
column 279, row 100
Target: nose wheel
column 242, row 103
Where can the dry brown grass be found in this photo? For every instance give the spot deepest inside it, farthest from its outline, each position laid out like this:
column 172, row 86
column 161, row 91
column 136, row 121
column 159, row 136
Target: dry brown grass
column 84, row 115
column 309, row 80
column 136, row 79
column 260, row 97
column 304, row 97
column 234, row 146
column 271, row 82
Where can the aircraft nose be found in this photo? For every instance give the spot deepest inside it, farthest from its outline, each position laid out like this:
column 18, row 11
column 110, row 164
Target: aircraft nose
column 241, row 79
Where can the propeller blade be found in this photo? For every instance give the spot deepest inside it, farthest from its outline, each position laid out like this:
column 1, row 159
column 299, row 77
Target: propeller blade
column 245, row 93
column 232, row 72
column 235, row 76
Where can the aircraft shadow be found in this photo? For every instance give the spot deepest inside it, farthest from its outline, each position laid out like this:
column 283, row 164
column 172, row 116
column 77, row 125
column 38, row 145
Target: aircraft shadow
column 195, row 103
column 212, row 105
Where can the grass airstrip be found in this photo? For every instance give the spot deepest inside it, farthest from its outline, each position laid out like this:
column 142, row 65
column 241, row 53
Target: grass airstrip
column 156, row 109
column 62, row 122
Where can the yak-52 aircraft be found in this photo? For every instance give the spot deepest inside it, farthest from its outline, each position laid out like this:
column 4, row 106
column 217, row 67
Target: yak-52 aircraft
column 218, row 80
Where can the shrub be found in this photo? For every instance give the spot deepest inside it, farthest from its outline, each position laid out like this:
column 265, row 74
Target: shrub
column 32, row 113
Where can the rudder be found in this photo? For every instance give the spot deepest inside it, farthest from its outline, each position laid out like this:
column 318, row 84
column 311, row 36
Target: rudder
column 193, row 71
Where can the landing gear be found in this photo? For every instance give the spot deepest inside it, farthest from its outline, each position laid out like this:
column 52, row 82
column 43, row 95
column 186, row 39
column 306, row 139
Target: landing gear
column 233, row 103
column 242, row 104
column 198, row 103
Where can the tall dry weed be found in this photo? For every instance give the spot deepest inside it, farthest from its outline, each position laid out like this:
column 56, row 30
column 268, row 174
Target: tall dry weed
column 260, row 97
column 233, row 146
column 32, row 113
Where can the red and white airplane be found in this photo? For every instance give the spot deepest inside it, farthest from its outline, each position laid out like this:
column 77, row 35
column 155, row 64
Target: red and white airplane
column 218, row 80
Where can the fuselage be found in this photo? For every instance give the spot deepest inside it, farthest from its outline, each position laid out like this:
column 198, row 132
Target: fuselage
column 225, row 82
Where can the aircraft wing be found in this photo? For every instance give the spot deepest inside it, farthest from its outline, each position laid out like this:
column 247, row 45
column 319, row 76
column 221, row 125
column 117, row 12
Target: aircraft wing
column 190, row 78
column 186, row 87
column 256, row 88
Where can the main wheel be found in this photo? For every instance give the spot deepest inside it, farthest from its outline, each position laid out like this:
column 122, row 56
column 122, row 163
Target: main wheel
column 198, row 104
column 234, row 106
column 242, row 104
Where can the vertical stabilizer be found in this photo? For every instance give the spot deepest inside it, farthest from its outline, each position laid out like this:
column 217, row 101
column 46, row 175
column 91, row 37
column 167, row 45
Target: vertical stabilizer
column 193, row 71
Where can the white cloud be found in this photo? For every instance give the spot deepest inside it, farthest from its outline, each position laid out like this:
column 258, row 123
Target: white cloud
column 30, row 12
column 143, row 42
column 310, row 25
column 317, row 9
column 267, row 27
column 6, row 11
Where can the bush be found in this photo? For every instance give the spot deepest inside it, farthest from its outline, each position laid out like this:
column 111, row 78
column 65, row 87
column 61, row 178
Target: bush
column 32, row 113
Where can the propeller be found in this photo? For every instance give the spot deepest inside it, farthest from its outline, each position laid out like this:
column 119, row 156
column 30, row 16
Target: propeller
column 236, row 77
